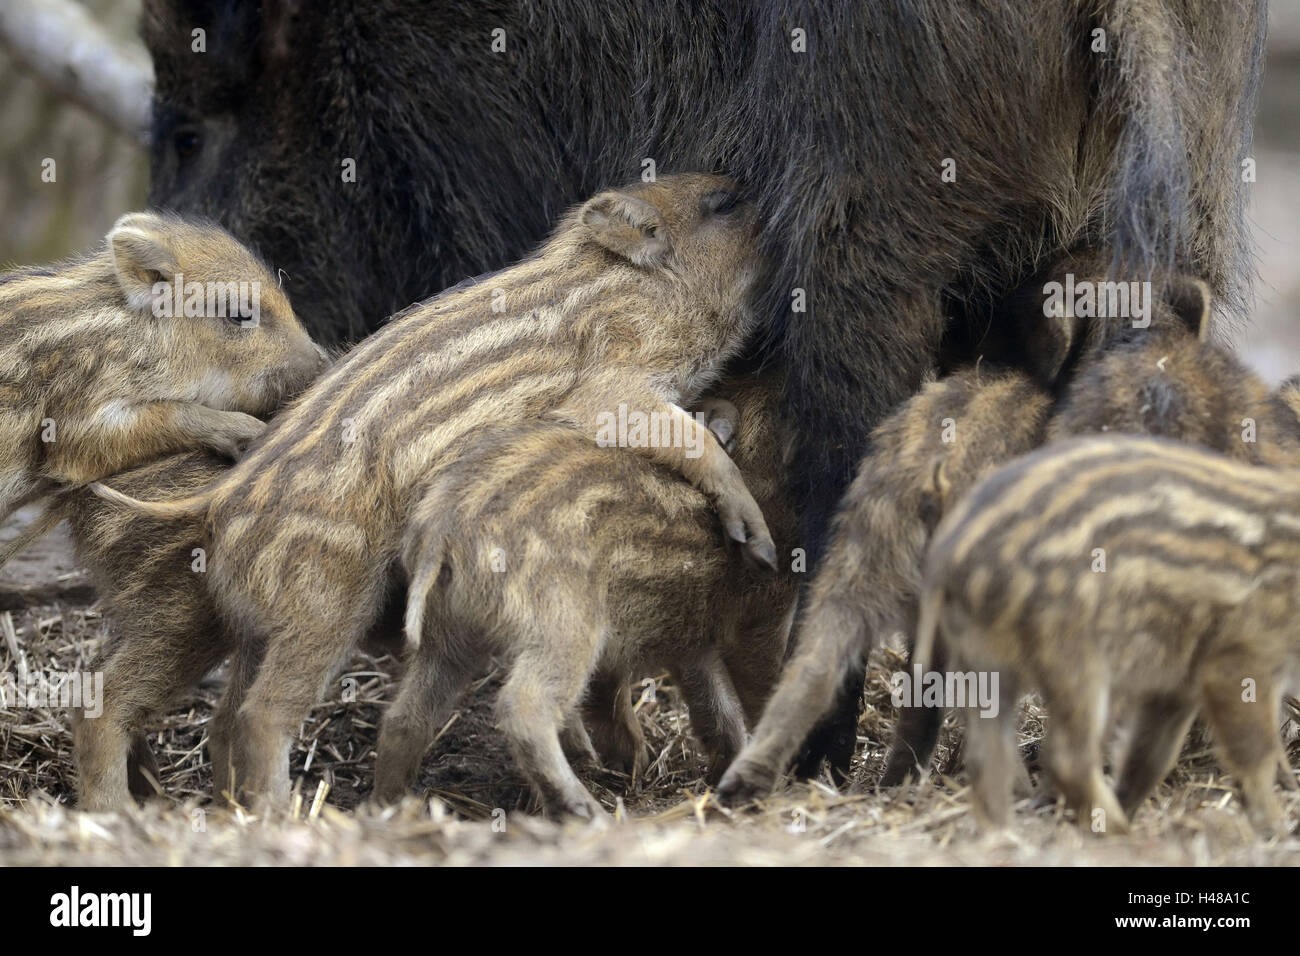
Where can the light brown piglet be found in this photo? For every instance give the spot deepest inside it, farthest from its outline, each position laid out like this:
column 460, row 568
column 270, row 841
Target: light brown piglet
column 577, row 562
column 173, row 336
column 633, row 306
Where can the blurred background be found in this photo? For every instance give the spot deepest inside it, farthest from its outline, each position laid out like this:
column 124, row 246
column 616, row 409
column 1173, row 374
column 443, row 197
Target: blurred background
column 101, row 173
column 1271, row 343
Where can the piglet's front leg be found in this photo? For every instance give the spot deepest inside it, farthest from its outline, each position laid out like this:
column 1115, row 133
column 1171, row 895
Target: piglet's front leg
column 664, row 432
column 122, row 435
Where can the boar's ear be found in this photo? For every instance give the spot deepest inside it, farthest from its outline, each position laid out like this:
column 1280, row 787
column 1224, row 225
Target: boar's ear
column 1047, row 336
column 142, row 256
column 277, row 27
column 1035, row 328
column 1191, row 302
column 1051, row 342
column 630, row 227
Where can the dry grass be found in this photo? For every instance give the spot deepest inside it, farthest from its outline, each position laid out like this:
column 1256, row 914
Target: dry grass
column 476, row 809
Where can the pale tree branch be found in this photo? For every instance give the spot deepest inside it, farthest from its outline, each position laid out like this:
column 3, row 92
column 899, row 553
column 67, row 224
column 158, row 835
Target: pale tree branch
column 1284, row 28
column 63, row 45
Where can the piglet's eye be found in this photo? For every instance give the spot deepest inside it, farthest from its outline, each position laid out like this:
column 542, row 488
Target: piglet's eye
column 720, row 202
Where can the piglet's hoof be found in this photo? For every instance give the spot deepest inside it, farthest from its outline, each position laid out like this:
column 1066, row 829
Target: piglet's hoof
column 743, row 784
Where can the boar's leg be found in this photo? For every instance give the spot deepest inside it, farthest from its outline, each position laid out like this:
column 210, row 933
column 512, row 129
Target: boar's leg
column 1078, row 707
column 1246, row 735
column 835, row 738
column 917, row 731
column 433, row 684
column 576, row 742
column 915, row 737
column 715, row 710
column 143, row 674
column 146, row 432
column 992, row 759
column 100, row 750
column 1159, row 728
column 308, row 633
column 833, row 637
column 545, row 685
column 244, row 664
column 292, row 678
column 142, row 770
column 611, row 721
column 755, row 655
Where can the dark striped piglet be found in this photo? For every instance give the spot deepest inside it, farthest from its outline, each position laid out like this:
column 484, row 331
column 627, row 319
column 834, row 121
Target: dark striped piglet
column 1132, row 582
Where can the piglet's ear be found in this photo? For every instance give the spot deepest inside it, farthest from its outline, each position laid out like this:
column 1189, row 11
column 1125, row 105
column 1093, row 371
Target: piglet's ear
column 630, row 227
column 142, row 256
column 1191, row 301
column 935, row 492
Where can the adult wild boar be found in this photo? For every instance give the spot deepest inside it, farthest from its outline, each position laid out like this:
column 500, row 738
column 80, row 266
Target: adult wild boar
column 906, row 155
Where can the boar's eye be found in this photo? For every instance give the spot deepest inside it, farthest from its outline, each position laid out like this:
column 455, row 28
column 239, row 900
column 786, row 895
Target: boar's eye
column 186, row 141
column 720, row 202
